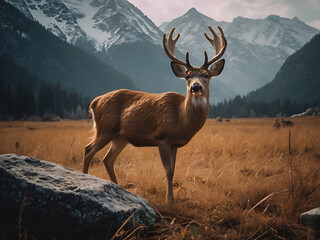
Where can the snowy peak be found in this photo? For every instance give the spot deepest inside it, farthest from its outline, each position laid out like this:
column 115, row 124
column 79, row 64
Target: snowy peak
column 194, row 13
column 191, row 26
column 275, row 31
column 98, row 23
column 190, row 17
column 113, row 22
column 55, row 17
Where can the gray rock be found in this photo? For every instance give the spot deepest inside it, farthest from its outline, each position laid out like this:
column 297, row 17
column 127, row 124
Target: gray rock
column 308, row 112
column 63, row 203
column 311, row 218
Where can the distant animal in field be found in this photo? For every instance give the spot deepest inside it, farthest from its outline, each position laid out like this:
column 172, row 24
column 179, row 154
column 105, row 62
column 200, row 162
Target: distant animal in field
column 286, row 123
column 219, row 119
column 167, row 120
column 276, row 123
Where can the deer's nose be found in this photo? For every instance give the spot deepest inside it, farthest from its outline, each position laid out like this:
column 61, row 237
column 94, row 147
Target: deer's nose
column 196, row 88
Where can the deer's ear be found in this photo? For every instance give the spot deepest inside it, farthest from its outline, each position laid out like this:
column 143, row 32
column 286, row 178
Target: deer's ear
column 216, row 68
column 179, row 70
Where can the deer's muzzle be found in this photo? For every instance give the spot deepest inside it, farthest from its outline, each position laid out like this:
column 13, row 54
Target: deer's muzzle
column 196, row 88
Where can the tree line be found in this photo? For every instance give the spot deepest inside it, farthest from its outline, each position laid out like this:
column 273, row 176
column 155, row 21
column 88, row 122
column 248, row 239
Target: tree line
column 242, row 107
column 24, row 95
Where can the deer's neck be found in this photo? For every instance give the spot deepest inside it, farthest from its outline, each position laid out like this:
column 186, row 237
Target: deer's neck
column 195, row 111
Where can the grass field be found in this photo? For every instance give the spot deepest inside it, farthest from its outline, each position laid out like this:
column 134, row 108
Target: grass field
column 231, row 181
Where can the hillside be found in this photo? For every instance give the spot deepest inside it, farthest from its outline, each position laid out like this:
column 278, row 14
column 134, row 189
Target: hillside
column 52, row 59
column 298, row 79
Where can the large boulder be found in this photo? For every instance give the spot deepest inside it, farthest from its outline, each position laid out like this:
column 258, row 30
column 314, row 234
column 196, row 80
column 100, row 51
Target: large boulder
column 311, row 218
column 45, row 200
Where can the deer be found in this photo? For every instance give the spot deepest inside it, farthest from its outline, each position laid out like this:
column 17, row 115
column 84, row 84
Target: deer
column 276, row 123
column 168, row 120
column 286, row 123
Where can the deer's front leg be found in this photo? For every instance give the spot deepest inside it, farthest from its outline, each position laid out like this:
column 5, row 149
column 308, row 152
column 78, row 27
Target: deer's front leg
column 173, row 154
column 165, row 154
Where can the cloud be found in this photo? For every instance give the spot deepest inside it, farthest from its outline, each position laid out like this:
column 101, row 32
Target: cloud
column 227, row 10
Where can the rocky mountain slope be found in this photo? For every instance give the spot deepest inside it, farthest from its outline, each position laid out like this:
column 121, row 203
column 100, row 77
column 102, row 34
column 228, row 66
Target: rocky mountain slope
column 298, row 79
column 53, row 60
column 99, row 23
column 114, row 31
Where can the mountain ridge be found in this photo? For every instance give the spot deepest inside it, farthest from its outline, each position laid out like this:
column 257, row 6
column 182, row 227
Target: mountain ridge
column 134, row 48
column 256, row 48
column 30, row 45
column 90, row 24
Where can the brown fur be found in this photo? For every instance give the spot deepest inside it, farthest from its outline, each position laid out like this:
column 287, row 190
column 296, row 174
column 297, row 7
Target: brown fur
column 147, row 118
column 167, row 120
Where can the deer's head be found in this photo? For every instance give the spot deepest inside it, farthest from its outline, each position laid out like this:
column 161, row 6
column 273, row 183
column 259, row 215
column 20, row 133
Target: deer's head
column 198, row 78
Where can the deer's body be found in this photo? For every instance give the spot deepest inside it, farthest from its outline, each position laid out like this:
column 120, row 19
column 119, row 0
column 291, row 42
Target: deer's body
column 172, row 118
column 168, row 120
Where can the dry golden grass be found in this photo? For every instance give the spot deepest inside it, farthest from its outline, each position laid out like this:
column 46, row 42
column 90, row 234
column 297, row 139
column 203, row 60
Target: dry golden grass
column 231, row 180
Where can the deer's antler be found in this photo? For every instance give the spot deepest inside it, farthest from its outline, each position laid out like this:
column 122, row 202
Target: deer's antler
column 219, row 44
column 169, row 46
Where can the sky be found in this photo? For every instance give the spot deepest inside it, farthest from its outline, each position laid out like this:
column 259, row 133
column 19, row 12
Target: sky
column 160, row 11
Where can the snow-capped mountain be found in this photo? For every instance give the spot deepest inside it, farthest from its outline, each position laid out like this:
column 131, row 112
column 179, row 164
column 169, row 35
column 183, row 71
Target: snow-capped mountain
column 113, row 21
column 273, row 31
column 117, row 32
column 57, row 18
column 99, row 23
column 288, row 35
column 53, row 60
column 256, row 47
column 191, row 27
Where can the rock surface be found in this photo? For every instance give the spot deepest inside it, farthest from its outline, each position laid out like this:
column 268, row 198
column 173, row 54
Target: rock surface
column 51, row 201
column 308, row 112
column 311, row 218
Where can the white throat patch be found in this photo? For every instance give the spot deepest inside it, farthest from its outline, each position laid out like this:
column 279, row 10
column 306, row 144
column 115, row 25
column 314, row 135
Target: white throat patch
column 199, row 102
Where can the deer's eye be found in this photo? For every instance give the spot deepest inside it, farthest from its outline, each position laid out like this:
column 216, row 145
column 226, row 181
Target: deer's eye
column 187, row 77
column 206, row 76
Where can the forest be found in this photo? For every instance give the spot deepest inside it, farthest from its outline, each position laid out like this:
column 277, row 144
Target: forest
column 242, row 107
column 23, row 96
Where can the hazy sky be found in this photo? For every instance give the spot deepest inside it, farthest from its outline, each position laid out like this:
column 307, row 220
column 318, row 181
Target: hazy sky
column 160, row 11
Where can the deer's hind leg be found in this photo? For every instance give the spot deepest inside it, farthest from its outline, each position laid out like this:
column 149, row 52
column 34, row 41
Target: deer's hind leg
column 117, row 145
column 92, row 148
